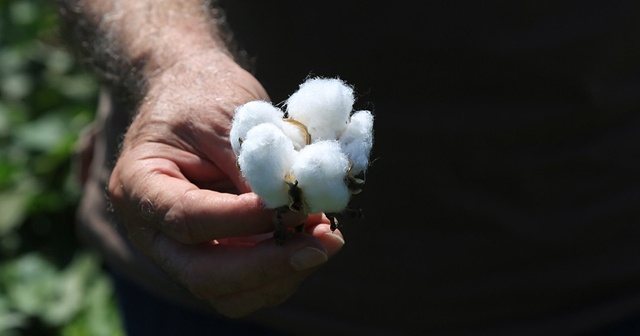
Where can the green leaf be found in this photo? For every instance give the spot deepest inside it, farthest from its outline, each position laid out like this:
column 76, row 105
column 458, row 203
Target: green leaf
column 68, row 298
column 16, row 86
column 4, row 120
column 30, row 282
column 36, row 287
column 9, row 320
column 13, row 208
column 43, row 134
column 23, row 12
column 15, row 203
column 100, row 317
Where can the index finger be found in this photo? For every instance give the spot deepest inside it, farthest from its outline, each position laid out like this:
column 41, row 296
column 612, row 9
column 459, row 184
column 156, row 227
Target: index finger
column 154, row 190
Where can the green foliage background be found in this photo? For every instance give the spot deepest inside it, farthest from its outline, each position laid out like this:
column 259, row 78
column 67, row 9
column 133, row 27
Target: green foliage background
column 49, row 283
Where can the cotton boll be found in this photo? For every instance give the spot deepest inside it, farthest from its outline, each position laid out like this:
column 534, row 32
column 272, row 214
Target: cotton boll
column 320, row 169
column 296, row 131
column 357, row 139
column 265, row 159
column 250, row 115
column 323, row 105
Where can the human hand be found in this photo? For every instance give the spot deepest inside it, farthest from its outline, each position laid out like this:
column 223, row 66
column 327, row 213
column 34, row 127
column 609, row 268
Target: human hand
column 178, row 191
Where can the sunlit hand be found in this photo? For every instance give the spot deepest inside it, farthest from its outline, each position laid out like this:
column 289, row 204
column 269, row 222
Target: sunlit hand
column 180, row 195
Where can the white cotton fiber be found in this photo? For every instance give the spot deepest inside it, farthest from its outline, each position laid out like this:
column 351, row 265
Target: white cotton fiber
column 265, row 159
column 320, row 169
column 296, row 132
column 250, row 115
column 357, row 139
column 323, row 105
column 318, row 145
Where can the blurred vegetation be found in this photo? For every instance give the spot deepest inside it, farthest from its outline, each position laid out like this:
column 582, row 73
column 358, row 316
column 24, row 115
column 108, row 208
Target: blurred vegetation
column 49, row 283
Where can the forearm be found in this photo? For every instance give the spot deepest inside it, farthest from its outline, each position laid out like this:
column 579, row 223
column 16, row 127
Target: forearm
column 126, row 43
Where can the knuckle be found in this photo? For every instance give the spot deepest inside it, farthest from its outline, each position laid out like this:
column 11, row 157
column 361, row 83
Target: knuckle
column 277, row 299
column 115, row 188
column 202, row 291
column 206, row 288
column 146, row 210
column 175, row 222
column 281, row 293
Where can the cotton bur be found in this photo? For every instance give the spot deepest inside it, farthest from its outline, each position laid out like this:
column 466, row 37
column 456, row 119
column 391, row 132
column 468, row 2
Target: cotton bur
column 311, row 157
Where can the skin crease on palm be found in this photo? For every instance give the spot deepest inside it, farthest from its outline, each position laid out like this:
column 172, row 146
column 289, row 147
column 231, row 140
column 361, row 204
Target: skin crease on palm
column 176, row 186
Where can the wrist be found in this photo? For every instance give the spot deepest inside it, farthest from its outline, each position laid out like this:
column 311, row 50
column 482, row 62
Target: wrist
column 203, row 76
column 164, row 50
column 201, row 89
column 126, row 43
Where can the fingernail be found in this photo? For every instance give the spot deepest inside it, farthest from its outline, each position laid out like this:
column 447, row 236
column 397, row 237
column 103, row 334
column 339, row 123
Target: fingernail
column 307, row 257
column 336, row 237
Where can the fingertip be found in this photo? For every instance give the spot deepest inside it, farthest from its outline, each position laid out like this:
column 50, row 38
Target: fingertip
column 333, row 242
column 319, row 227
column 307, row 257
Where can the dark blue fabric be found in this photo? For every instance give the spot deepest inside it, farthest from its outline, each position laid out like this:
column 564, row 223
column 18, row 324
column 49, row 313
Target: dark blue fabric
column 626, row 327
column 504, row 184
column 144, row 314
